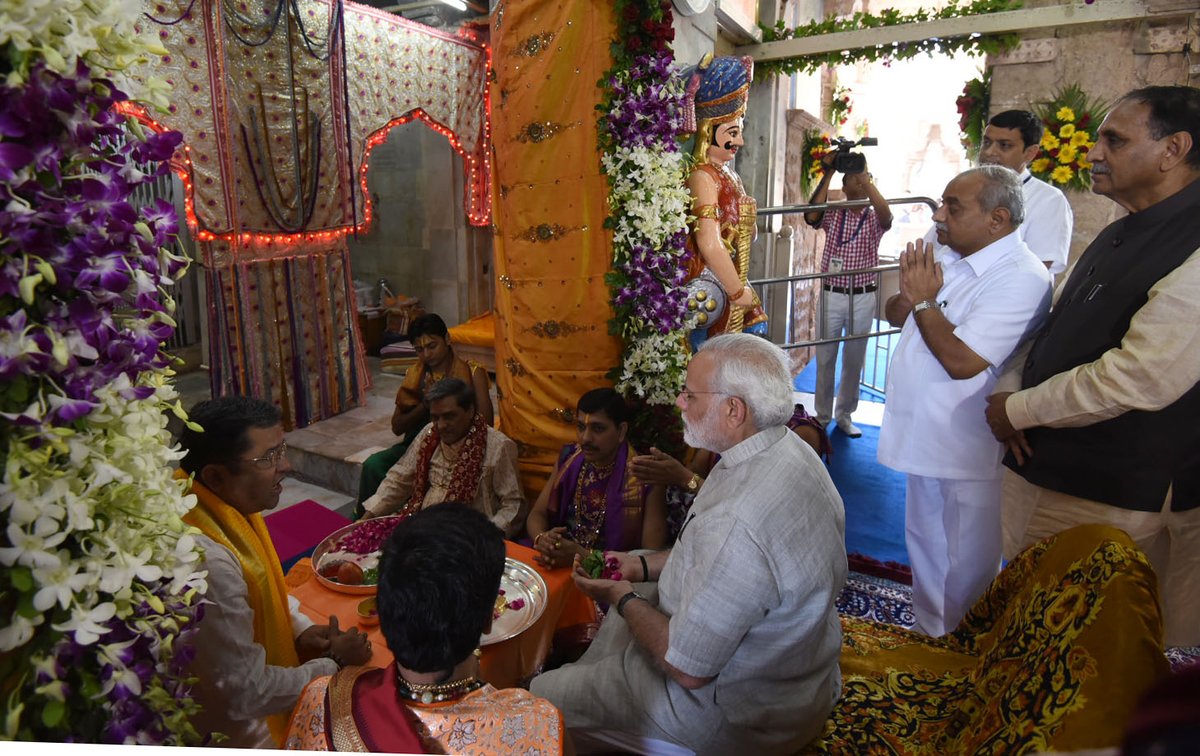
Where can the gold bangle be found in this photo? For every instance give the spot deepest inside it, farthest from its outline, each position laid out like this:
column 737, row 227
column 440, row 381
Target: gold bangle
column 739, row 294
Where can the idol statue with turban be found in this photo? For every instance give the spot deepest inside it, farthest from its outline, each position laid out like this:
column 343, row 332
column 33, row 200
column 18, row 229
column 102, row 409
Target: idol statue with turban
column 719, row 299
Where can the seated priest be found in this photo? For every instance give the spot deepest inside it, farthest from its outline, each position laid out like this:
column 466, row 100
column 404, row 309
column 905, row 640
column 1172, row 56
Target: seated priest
column 457, row 457
column 433, row 606
column 593, row 500
column 435, row 360
column 255, row 651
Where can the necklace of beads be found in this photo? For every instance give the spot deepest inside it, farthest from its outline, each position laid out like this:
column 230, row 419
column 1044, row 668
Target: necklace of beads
column 429, row 693
column 590, row 510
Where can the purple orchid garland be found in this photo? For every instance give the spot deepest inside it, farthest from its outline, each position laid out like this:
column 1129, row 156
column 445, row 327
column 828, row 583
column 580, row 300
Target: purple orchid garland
column 638, row 136
column 82, row 270
column 84, row 312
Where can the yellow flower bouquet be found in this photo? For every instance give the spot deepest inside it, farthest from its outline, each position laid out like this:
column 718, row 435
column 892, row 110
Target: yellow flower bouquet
column 814, row 148
column 1071, row 119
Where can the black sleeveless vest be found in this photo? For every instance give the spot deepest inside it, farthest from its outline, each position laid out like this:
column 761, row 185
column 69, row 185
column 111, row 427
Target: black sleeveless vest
column 1131, row 460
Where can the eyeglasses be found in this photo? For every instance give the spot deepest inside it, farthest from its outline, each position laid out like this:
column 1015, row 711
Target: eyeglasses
column 271, row 458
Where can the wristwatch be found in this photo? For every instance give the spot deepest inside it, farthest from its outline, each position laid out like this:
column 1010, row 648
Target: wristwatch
column 924, row 304
column 626, row 599
column 693, row 484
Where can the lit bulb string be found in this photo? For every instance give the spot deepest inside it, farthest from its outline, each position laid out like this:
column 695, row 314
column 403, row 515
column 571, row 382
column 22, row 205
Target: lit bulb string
column 477, row 168
column 181, row 164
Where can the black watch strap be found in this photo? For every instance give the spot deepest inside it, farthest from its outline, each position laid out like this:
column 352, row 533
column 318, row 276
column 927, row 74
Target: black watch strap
column 626, row 599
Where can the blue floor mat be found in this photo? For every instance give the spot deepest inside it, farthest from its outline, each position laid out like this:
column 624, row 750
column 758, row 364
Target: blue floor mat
column 872, row 494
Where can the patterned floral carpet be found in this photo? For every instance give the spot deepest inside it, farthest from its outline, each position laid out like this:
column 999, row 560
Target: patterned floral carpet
column 883, row 600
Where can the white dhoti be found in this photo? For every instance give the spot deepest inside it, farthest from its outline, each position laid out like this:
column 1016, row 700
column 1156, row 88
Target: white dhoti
column 616, row 686
column 952, row 531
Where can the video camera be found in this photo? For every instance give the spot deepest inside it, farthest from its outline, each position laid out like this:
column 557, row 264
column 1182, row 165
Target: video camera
column 845, row 161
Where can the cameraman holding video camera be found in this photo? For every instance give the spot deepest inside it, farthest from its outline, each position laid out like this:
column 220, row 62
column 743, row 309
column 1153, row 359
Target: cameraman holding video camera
column 848, row 302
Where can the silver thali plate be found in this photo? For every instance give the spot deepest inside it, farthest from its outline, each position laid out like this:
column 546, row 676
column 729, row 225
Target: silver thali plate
column 520, row 581
column 327, row 545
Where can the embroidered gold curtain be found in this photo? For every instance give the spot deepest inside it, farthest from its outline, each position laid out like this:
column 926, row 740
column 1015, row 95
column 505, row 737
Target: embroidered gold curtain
column 551, row 248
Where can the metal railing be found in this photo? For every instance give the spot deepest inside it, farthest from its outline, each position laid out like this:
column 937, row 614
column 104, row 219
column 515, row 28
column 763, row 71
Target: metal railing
column 883, row 336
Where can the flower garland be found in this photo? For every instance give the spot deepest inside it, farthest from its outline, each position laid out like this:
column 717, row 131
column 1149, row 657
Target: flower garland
column 99, row 575
column 840, row 107
column 815, row 147
column 642, row 106
column 984, row 43
column 972, row 107
column 1071, row 119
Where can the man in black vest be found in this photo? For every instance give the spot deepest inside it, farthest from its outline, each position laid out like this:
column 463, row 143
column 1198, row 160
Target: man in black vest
column 1106, row 427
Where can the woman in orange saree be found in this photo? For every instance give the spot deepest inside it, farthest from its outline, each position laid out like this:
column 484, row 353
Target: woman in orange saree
column 438, row 584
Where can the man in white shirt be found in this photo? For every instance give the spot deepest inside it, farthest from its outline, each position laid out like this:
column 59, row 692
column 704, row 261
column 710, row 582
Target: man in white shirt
column 962, row 319
column 738, row 649
column 1013, row 139
column 255, row 650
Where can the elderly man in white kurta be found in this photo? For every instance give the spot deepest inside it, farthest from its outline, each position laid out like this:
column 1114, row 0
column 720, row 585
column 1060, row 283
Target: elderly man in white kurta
column 1013, row 139
column 740, row 650
column 962, row 319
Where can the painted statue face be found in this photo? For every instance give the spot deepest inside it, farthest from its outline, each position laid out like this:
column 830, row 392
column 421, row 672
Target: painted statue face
column 727, row 140
column 1006, row 147
column 598, row 436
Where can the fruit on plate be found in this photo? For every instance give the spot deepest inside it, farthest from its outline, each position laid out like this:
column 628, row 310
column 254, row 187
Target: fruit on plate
column 349, row 573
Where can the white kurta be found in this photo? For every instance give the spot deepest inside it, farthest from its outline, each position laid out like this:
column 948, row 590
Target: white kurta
column 750, row 589
column 934, row 427
column 236, row 686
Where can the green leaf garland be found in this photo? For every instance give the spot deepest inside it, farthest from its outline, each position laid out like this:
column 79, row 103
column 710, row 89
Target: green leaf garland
column 966, row 42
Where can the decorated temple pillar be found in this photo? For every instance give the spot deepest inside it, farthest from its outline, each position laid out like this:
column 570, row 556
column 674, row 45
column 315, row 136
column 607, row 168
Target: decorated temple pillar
column 551, row 248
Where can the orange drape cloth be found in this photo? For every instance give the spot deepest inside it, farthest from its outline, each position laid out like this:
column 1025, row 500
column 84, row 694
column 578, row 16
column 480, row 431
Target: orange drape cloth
column 551, row 248
column 504, row 664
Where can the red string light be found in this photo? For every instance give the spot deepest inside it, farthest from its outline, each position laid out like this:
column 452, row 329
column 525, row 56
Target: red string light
column 181, row 164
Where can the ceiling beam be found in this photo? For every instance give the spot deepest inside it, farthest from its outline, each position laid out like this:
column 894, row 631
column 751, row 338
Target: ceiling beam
column 1051, row 16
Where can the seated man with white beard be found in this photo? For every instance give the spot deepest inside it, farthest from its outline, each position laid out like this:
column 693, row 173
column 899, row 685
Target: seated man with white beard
column 739, row 649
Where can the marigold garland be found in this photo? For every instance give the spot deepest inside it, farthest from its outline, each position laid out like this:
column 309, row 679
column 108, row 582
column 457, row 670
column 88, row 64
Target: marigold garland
column 1071, row 119
column 815, row 146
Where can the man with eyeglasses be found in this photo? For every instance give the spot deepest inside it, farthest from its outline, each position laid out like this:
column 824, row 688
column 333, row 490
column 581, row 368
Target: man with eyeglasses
column 255, row 651
column 737, row 650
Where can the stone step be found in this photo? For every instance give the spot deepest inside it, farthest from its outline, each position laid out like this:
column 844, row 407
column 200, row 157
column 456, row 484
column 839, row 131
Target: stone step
column 330, row 452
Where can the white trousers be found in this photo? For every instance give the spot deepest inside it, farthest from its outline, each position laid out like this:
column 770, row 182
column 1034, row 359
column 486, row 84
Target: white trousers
column 840, row 315
column 952, row 531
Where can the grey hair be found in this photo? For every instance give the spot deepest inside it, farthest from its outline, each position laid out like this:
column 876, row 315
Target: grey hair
column 757, row 371
column 1001, row 188
column 455, row 388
